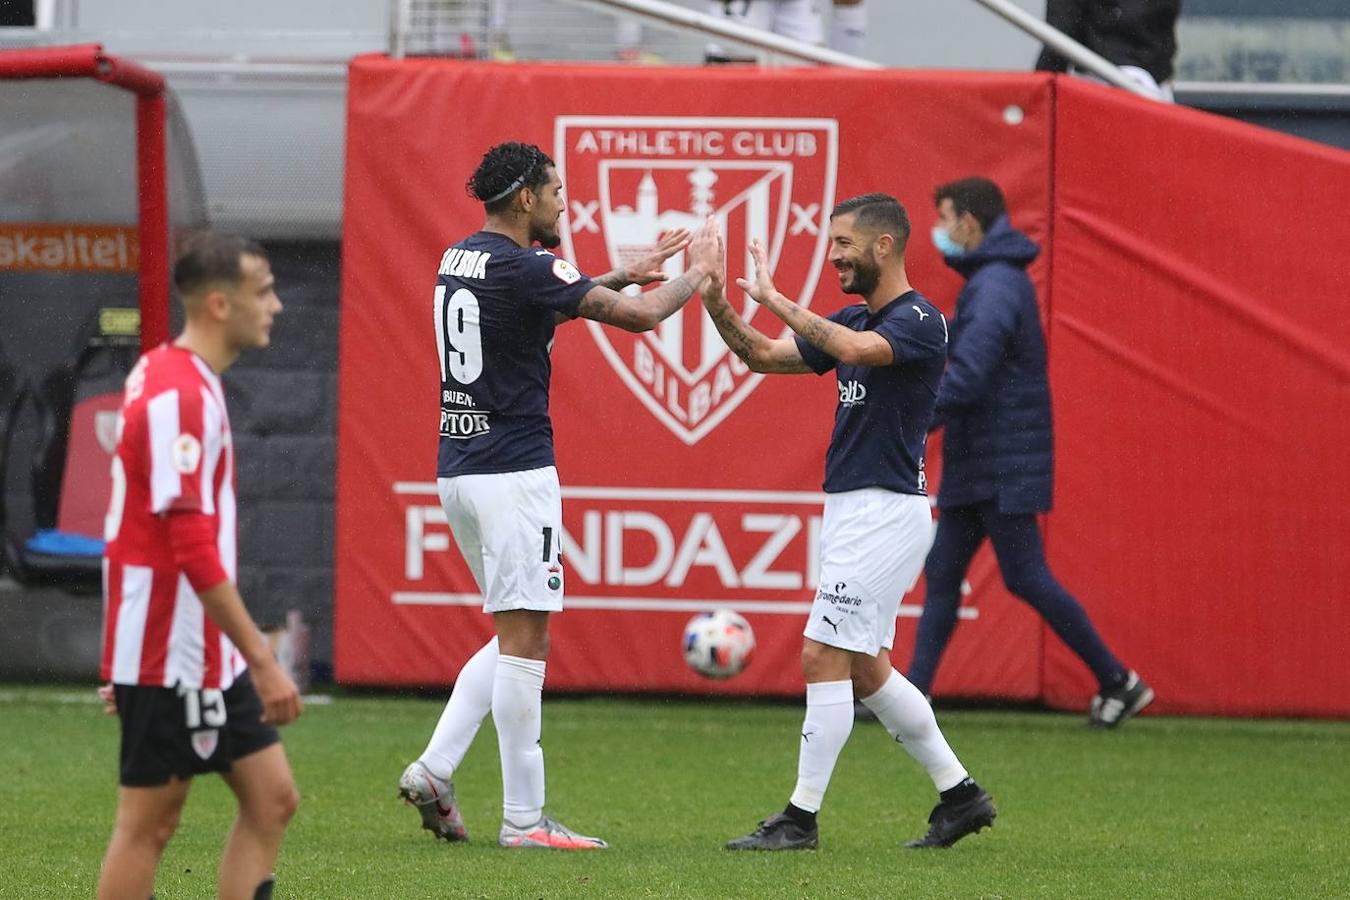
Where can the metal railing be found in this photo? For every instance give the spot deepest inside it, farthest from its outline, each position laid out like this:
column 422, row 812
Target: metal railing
column 476, row 20
column 1064, row 45
column 670, row 15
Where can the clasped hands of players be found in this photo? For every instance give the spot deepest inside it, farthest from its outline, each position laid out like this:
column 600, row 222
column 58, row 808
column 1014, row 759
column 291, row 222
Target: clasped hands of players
column 704, row 251
column 761, row 287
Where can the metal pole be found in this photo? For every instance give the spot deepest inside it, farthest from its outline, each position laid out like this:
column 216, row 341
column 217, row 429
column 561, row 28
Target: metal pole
column 398, row 28
column 152, row 175
column 658, row 12
column 1064, row 45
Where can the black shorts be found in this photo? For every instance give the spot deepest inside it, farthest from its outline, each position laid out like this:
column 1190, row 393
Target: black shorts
column 180, row 732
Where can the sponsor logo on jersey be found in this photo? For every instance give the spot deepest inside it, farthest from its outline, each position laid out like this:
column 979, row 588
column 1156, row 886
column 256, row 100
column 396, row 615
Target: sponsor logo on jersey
column 565, row 272
column 839, row 597
column 852, row 393
column 186, row 453
column 460, row 424
column 630, row 179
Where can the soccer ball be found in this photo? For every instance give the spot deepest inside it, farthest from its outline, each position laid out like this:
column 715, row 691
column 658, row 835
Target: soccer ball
column 718, row 644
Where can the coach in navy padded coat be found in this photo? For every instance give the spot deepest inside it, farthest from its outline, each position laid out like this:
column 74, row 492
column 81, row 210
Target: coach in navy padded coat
column 993, row 405
column 994, row 402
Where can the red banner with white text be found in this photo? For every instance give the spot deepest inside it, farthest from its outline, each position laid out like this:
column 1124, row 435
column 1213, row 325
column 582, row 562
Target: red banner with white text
column 1197, row 335
column 1200, row 358
column 689, row 483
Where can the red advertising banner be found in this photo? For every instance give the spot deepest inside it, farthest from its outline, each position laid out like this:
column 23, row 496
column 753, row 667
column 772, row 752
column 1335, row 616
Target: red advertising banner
column 1195, row 307
column 1200, row 359
column 689, row 483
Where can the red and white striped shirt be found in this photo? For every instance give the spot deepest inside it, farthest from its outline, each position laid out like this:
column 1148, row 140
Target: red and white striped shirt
column 174, row 453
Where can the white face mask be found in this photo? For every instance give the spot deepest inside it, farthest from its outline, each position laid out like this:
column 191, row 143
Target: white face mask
column 945, row 244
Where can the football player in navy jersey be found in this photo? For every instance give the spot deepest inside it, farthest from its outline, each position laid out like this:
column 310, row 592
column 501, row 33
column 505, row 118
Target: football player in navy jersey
column 498, row 298
column 887, row 354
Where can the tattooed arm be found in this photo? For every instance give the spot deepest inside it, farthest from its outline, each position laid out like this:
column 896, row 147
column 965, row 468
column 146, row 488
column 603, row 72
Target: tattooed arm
column 760, row 352
column 854, row 348
column 615, row 279
column 644, row 312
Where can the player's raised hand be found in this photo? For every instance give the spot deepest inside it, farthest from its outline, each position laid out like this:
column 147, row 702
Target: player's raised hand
column 648, row 269
column 762, row 286
column 717, row 278
column 705, row 248
column 280, row 697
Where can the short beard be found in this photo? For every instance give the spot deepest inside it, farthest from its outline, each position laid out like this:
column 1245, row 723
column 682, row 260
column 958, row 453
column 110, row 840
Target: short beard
column 547, row 239
column 866, row 277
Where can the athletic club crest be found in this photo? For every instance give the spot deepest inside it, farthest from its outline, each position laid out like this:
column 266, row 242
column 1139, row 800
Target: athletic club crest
column 204, row 742
column 629, row 179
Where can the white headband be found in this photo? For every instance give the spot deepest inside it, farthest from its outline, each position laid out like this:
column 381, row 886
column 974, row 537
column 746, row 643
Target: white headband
column 514, row 186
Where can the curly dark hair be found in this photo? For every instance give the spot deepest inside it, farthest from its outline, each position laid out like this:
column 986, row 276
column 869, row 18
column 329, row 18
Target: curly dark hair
column 505, row 169
column 879, row 213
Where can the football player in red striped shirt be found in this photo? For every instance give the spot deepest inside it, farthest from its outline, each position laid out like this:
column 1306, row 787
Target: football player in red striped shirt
column 192, row 679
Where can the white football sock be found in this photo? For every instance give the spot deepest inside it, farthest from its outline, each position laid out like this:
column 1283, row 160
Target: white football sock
column 829, row 721
column 516, row 691
column 907, row 715
column 848, row 29
column 469, row 704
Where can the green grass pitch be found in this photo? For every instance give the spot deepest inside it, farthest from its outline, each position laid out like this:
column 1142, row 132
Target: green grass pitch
column 1164, row 807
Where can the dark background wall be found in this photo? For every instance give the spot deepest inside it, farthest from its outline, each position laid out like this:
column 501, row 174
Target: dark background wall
column 283, row 408
column 282, row 404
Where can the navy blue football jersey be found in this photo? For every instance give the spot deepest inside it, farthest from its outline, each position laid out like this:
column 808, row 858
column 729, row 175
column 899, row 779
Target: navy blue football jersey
column 495, row 313
column 881, row 423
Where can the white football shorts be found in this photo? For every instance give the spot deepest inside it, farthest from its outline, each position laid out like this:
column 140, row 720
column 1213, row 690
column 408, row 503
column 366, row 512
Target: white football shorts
column 872, row 547
column 508, row 527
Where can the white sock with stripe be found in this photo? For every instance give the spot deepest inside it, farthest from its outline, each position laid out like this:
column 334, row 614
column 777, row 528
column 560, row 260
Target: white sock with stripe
column 516, row 712
column 908, row 717
column 469, row 704
column 828, row 723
